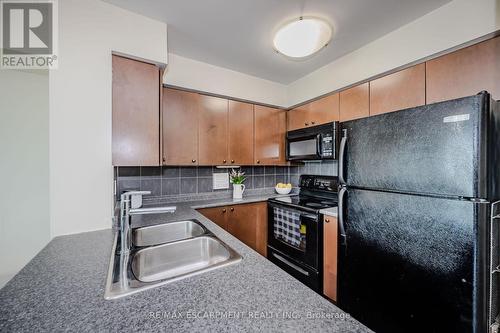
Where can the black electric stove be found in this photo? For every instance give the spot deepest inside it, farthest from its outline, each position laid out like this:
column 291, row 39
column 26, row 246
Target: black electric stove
column 295, row 229
column 315, row 193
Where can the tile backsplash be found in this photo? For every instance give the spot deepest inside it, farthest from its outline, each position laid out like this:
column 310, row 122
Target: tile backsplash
column 175, row 181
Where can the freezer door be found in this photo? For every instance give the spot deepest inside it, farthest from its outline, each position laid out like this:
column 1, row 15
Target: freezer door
column 436, row 149
column 413, row 263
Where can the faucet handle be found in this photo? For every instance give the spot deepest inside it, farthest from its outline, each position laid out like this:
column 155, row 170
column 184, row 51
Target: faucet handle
column 128, row 194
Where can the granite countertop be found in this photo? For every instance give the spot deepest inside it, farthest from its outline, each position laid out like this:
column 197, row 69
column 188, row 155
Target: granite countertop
column 62, row 288
column 333, row 211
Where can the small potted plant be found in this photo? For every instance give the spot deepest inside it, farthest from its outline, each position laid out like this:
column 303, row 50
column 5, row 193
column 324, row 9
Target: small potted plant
column 237, row 178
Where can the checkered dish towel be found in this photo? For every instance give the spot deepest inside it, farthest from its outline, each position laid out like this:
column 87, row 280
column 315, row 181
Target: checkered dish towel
column 287, row 226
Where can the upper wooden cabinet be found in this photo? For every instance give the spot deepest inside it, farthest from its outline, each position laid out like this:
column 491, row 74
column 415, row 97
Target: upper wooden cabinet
column 465, row 72
column 355, row 102
column 298, row 117
column 135, row 113
column 270, row 130
column 330, row 254
column 321, row 111
column 400, row 90
column 213, row 131
column 324, row 110
column 241, row 133
column 180, row 127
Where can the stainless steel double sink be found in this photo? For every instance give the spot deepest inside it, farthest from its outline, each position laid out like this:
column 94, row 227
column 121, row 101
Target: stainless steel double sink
column 163, row 254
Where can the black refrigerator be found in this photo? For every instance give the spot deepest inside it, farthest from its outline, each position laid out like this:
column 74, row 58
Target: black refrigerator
column 418, row 247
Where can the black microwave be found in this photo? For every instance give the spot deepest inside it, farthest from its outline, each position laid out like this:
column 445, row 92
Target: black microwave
column 319, row 142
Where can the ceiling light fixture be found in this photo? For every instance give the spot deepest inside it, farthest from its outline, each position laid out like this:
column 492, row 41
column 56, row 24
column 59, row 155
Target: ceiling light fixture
column 302, row 37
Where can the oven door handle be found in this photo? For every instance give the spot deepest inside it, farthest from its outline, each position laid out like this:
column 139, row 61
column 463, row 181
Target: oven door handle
column 290, row 264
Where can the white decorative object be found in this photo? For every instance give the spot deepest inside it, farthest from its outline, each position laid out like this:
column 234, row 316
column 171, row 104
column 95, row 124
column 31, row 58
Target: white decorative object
column 283, row 190
column 238, row 190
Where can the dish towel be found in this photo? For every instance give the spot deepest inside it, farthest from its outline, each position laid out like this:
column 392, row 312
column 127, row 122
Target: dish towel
column 287, row 226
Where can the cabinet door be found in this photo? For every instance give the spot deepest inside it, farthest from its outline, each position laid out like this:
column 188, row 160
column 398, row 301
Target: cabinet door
column 180, row 127
column 299, row 117
column 324, row 110
column 465, row 72
column 241, row 133
column 261, row 232
column 269, row 135
column 397, row 91
column 212, row 131
column 242, row 223
column 135, row 113
column 354, row 102
column 330, row 236
column 218, row 215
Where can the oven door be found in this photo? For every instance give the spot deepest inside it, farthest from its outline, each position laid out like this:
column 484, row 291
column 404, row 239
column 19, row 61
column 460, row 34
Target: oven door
column 283, row 236
column 307, row 147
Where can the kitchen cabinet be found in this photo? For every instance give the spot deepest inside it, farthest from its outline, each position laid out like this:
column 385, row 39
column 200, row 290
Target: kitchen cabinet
column 324, row 110
column 216, row 214
column 465, row 72
column 241, row 133
column 330, row 253
column 213, row 131
column 247, row 222
column 298, row 117
column 400, row 90
column 321, row 111
column 135, row 113
column 180, row 127
column 354, row 103
column 270, row 131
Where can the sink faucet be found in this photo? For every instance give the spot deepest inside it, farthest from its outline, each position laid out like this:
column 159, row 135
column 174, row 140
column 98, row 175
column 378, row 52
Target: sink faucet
column 125, row 234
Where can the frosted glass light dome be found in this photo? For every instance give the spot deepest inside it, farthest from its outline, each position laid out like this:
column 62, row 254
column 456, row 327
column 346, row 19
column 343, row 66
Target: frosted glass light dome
column 303, row 37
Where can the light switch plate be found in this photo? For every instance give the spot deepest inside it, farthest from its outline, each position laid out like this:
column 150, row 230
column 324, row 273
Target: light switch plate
column 221, row 181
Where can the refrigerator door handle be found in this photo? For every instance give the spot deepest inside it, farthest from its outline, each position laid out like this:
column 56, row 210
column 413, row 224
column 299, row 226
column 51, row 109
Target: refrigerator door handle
column 343, row 237
column 343, row 143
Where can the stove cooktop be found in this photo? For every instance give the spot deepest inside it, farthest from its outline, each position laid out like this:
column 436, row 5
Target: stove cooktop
column 310, row 202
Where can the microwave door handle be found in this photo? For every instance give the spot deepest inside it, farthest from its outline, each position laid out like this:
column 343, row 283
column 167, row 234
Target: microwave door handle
column 343, row 236
column 343, row 143
column 318, row 145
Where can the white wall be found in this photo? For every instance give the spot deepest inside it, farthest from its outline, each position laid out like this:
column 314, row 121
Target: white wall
column 189, row 73
column 81, row 177
column 453, row 24
column 24, row 168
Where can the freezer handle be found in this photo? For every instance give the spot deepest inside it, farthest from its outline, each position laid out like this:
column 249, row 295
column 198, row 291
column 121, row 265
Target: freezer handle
column 343, row 142
column 343, row 237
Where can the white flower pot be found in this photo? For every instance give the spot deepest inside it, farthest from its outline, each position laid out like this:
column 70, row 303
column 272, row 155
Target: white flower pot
column 238, row 190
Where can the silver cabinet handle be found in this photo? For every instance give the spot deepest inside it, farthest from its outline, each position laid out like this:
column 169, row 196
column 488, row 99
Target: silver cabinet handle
column 343, row 143
column 297, row 268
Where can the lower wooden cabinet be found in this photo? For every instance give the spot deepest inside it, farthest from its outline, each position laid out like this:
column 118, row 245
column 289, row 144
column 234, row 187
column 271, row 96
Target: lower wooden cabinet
column 247, row 222
column 216, row 215
column 330, row 251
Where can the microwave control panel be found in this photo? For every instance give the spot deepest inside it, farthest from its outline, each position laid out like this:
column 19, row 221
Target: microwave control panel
column 327, row 143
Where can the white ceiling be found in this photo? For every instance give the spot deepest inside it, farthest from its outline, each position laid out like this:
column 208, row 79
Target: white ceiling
column 237, row 34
